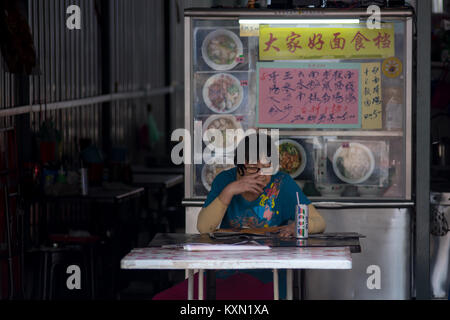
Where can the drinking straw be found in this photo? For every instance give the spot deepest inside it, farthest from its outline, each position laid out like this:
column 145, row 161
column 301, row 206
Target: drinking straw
column 298, row 201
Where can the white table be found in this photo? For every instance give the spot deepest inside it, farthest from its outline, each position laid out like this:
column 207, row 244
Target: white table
column 276, row 258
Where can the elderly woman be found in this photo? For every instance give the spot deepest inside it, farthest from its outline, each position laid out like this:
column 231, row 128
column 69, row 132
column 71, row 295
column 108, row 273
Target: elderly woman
column 245, row 197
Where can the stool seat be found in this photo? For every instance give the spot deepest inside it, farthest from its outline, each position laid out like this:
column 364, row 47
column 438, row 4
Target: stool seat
column 47, row 249
column 66, row 238
column 72, row 247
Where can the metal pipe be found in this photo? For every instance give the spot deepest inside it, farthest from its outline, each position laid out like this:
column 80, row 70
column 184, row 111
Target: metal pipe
column 289, row 283
column 14, row 111
column 422, row 137
column 298, row 13
column 93, row 65
column 8, row 241
column 90, row 66
column 64, row 83
column 87, row 101
column 77, row 90
column 276, row 294
column 200, row 284
column 44, row 56
column 190, row 284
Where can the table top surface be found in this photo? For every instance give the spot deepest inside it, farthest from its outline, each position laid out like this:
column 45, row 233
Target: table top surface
column 107, row 192
column 151, row 179
column 345, row 239
column 275, row 258
column 157, row 170
column 327, row 251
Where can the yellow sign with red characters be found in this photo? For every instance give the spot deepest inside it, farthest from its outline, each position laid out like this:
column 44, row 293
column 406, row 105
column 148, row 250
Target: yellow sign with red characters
column 326, row 43
column 371, row 105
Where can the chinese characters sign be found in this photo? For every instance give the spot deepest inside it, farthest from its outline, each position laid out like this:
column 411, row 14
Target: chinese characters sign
column 324, row 43
column 324, row 95
column 371, row 96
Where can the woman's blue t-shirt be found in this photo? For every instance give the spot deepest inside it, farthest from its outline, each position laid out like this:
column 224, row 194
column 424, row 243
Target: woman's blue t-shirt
column 274, row 207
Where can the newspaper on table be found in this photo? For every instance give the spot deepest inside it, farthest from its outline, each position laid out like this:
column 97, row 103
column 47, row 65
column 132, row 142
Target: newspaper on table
column 243, row 245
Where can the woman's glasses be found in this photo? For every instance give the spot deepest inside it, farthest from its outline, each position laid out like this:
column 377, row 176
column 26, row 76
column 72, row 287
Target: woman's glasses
column 255, row 169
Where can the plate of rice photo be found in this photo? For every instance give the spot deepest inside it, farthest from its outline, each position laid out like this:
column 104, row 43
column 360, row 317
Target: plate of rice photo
column 353, row 162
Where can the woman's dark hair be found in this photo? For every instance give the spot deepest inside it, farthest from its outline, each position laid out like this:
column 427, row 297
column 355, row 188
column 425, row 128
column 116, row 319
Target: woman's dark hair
column 244, row 146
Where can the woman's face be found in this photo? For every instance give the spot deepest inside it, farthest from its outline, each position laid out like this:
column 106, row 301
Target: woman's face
column 256, row 168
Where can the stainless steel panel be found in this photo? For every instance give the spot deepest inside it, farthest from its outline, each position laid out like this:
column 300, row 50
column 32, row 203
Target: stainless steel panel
column 440, row 249
column 191, row 219
column 387, row 246
column 377, row 204
column 439, row 264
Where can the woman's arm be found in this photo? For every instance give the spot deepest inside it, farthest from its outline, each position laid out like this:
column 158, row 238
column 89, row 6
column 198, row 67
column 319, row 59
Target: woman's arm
column 211, row 216
column 316, row 224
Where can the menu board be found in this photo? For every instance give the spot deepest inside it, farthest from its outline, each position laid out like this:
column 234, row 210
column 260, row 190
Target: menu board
column 371, row 93
column 309, row 95
column 291, row 43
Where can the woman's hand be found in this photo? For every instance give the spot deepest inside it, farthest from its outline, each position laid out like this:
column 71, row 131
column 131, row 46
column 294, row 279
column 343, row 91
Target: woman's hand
column 288, row 231
column 252, row 183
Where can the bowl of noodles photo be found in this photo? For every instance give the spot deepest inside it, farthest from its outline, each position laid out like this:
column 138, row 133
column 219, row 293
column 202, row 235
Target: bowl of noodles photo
column 292, row 157
column 222, row 93
column 353, row 163
column 221, row 48
column 210, row 171
column 226, row 124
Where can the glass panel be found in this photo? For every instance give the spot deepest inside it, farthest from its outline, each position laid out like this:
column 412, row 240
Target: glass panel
column 223, row 66
column 345, row 167
column 350, row 163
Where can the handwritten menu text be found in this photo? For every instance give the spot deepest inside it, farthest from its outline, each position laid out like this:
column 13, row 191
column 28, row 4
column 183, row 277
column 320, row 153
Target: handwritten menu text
column 371, row 96
column 311, row 96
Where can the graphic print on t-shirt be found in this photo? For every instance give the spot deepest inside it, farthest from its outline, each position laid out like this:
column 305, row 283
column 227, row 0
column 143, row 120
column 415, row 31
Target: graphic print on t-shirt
column 261, row 214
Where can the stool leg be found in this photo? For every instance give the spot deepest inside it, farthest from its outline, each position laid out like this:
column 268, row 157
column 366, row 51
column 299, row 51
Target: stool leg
column 51, row 285
column 289, row 283
column 200, row 284
column 210, row 285
column 275, row 285
column 190, row 284
column 302, row 284
column 92, row 273
column 41, row 276
column 44, row 291
column 87, row 270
